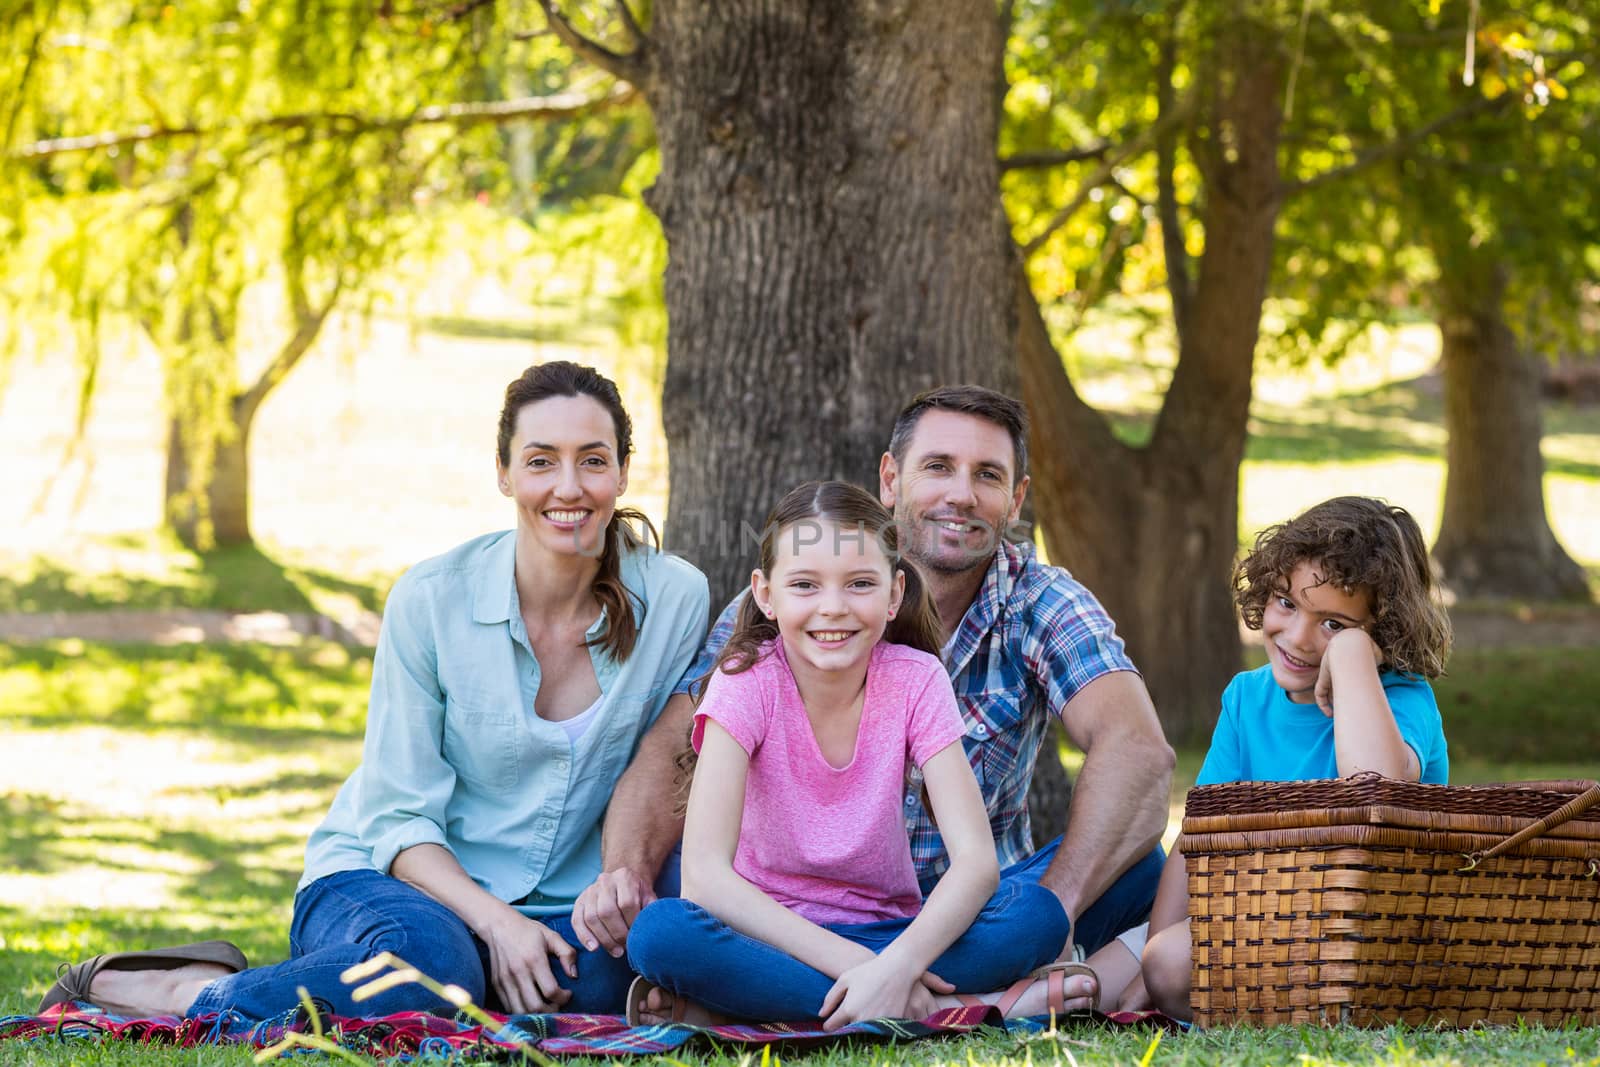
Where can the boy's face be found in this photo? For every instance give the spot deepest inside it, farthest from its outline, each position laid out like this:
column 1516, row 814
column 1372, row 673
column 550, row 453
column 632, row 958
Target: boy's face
column 1300, row 619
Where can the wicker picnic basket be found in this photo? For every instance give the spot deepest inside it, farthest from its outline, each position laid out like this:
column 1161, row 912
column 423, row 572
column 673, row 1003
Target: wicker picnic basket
column 1371, row 901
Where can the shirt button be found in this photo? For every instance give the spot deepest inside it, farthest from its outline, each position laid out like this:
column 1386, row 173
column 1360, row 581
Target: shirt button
column 981, row 730
column 911, row 800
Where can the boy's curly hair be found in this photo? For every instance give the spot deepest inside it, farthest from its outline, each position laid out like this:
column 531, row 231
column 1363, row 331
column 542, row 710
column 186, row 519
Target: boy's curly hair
column 1357, row 542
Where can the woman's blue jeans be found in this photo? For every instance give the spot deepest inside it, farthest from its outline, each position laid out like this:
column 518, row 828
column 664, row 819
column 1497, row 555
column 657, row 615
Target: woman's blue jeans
column 682, row 947
column 349, row 917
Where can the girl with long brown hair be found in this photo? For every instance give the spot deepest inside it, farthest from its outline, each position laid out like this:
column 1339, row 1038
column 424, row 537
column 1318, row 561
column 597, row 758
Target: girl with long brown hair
column 800, row 900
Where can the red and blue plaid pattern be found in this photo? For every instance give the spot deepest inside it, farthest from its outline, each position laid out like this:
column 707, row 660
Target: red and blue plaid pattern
column 413, row 1035
column 1033, row 637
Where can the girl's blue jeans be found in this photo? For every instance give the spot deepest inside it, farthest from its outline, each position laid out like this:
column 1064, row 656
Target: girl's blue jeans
column 349, row 917
column 682, row 947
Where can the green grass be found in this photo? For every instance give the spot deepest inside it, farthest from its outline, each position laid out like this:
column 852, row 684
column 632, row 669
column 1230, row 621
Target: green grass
column 152, row 572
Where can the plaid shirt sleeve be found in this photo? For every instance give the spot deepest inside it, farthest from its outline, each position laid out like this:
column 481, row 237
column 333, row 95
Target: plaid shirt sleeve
column 1070, row 641
column 693, row 679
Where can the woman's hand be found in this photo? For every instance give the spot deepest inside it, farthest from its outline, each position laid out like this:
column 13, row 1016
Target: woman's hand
column 1347, row 648
column 520, row 949
column 877, row 989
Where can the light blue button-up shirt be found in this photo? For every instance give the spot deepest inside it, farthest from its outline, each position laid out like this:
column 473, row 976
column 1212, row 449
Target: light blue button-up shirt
column 455, row 754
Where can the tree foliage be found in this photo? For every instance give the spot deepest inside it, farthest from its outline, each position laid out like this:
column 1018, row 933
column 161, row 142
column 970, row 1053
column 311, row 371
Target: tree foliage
column 224, row 174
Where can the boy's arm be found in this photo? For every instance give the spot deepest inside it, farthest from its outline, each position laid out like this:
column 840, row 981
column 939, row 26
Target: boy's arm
column 1172, row 895
column 1365, row 735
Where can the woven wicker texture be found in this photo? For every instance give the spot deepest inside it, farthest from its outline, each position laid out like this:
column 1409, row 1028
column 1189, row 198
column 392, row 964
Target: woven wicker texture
column 1371, row 901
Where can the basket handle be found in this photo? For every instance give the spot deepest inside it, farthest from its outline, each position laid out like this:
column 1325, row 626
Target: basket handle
column 1571, row 809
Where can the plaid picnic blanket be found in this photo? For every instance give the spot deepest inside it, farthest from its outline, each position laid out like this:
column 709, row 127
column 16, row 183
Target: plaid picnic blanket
column 414, row 1034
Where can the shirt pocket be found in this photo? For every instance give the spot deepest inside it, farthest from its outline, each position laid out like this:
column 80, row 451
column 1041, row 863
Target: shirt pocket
column 481, row 744
column 994, row 720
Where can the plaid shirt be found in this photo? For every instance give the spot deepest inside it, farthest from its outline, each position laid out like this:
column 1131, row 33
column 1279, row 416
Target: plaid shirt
column 1032, row 638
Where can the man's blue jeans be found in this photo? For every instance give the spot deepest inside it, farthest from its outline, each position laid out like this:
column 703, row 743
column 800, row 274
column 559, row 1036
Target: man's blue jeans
column 1121, row 907
column 349, row 917
column 684, row 948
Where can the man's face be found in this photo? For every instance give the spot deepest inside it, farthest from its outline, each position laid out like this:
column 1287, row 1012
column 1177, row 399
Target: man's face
column 955, row 491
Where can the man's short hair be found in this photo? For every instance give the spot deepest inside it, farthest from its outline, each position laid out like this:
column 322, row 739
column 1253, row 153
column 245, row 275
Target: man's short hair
column 965, row 400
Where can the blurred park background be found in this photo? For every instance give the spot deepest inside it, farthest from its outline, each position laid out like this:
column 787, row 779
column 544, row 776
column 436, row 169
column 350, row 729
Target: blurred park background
column 266, row 267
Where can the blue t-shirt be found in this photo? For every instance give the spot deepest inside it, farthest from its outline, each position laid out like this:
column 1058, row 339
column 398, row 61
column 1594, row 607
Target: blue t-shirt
column 1263, row 736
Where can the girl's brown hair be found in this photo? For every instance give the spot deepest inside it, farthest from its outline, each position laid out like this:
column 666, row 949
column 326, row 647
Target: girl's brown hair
column 852, row 509
column 859, row 516
column 561, row 378
column 1357, row 542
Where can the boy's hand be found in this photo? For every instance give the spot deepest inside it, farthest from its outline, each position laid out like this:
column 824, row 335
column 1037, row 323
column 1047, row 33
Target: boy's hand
column 1348, row 648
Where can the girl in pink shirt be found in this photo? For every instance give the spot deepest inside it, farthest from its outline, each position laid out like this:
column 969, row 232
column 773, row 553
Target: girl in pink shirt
column 800, row 899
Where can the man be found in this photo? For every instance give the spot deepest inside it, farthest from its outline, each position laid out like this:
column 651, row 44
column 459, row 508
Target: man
column 1027, row 643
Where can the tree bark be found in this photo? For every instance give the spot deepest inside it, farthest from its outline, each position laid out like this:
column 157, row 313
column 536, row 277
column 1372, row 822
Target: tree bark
column 221, row 477
column 225, row 487
column 1153, row 531
column 830, row 197
column 1495, row 539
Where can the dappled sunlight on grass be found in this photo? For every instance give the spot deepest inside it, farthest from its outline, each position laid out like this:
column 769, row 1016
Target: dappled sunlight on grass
column 150, row 570
column 162, row 795
column 226, row 690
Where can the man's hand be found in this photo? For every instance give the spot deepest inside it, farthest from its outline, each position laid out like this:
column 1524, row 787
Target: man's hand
column 519, row 964
column 603, row 912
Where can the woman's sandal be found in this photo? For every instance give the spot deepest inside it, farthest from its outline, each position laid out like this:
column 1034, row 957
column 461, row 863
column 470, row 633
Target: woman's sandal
column 1054, row 975
column 73, row 980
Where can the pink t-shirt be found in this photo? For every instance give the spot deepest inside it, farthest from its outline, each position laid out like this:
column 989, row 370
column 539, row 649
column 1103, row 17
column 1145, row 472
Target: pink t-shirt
column 830, row 843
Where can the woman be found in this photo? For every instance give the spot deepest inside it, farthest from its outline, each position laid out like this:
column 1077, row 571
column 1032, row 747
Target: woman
column 513, row 679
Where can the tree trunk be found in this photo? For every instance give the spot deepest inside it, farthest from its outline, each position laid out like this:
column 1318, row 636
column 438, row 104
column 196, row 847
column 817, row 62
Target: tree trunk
column 830, row 198
column 1153, row 531
column 224, row 518
column 1050, row 790
column 1495, row 540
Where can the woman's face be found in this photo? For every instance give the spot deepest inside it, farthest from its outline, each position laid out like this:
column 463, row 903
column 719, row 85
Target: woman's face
column 564, row 474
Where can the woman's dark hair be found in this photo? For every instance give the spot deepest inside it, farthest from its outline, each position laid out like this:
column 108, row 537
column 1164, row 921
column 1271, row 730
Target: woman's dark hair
column 853, row 509
column 1357, row 542
column 561, row 378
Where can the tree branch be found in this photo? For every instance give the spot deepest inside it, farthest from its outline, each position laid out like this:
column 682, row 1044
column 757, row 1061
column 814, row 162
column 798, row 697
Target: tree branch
column 557, row 106
column 631, row 67
column 1480, row 105
column 308, row 324
column 1055, row 158
column 1105, row 173
column 636, row 33
column 15, row 107
column 1174, row 251
column 1006, row 18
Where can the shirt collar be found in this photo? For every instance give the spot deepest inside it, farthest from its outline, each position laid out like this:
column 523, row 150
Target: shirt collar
column 494, row 587
column 987, row 607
